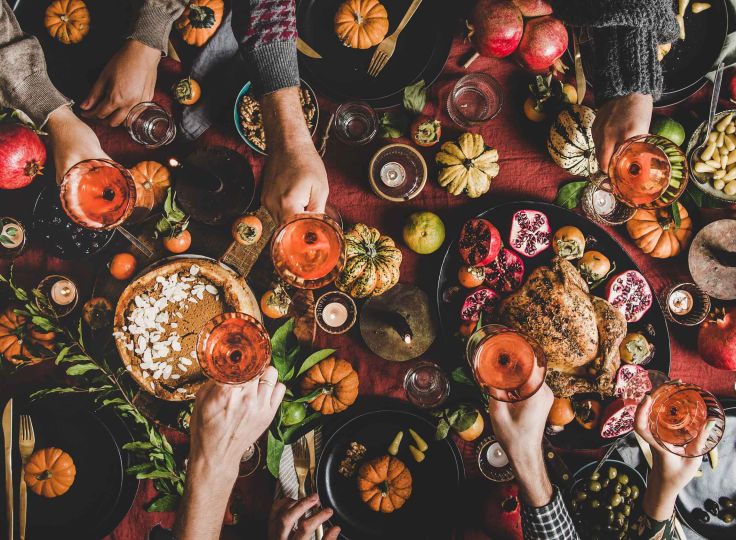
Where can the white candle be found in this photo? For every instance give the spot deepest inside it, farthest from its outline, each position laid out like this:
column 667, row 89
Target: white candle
column 392, row 174
column 680, row 302
column 496, row 456
column 335, row 314
column 63, row 292
column 603, row 202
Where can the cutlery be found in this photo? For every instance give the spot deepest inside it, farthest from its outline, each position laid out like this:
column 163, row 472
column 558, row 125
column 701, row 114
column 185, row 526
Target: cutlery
column 8, row 439
column 26, row 443
column 301, row 465
column 304, row 48
column 312, row 466
column 386, row 48
column 608, row 453
column 709, row 126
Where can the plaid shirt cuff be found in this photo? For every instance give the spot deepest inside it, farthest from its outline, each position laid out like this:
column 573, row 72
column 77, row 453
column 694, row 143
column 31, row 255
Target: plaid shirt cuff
column 548, row 522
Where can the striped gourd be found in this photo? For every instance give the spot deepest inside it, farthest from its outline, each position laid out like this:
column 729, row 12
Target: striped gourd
column 372, row 263
column 570, row 141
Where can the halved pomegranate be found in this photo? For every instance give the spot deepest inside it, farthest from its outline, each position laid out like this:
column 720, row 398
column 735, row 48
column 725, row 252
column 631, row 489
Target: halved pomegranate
column 530, row 232
column 481, row 301
column 506, row 272
column 632, row 382
column 618, row 418
column 630, row 293
column 479, row 243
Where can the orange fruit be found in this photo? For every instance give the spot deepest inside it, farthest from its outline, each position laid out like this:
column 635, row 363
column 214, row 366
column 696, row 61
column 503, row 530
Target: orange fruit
column 531, row 113
column 179, row 243
column 570, row 93
column 275, row 303
column 474, row 431
column 471, row 277
column 247, row 230
column 561, row 412
column 122, row 266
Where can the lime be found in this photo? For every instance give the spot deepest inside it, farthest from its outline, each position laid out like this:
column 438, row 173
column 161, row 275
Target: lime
column 424, row 232
column 668, row 128
column 292, row 413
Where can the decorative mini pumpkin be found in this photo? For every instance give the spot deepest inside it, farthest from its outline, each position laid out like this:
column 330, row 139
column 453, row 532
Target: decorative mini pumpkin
column 361, row 24
column 467, row 165
column 570, row 141
column 50, row 472
column 152, row 175
column 372, row 263
column 67, row 20
column 200, row 20
column 656, row 233
column 338, row 381
column 21, row 343
column 385, row 484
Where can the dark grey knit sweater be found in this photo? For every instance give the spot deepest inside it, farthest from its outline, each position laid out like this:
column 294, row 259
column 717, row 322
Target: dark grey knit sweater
column 625, row 36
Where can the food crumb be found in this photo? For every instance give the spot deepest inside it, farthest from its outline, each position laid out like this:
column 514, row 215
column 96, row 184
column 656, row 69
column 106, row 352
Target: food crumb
column 353, row 455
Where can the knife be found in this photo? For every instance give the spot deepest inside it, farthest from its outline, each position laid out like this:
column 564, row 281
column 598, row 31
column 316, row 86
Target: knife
column 8, row 439
column 312, row 465
column 305, row 49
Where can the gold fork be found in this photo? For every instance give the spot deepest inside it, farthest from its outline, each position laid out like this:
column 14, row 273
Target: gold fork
column 386, row 48
column 26, row 443
column 301, row 465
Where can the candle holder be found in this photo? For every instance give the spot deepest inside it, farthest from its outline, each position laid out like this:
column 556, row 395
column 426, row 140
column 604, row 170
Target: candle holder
column 491, row 459
column 335, row 312
column 600, row 205
column 397, row 173
column 12, row 238
column 686, row 304
column 59, row 295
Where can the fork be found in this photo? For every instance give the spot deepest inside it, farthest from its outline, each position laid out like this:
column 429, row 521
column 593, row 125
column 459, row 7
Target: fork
column 301, row 465
column 26, row 443
column 386, row 48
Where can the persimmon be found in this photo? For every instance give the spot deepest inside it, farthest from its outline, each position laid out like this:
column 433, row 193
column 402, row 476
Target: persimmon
column 123, row 266
column 178, row 243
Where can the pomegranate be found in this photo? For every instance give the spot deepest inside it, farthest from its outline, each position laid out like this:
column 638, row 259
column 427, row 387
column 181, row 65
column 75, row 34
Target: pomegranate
column 717, row 339
column 530, row 232
column 495, row 27
column 479, row 242
column 501, row 516
column 482, row 301
column 630, row 293
column 533, row 8
column 618, row 418
column 506, row 272
column 22, row 156
column 632, row 382
column 544, row 41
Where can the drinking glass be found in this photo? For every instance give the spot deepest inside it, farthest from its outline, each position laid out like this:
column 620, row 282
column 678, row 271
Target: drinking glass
column 12, row 237
column 507, row 364
column 685, row 419
column 308, row 251
column 426, row 385
column 474, row 100
column 356, row 123
column 150, row 124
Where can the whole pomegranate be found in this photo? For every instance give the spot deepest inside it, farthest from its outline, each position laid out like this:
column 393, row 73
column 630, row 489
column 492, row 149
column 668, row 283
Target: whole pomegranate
column 533, row 8
column 502, row 512
column 717, row 339
column 495, row 27
column 543, row 42
column 22, row 156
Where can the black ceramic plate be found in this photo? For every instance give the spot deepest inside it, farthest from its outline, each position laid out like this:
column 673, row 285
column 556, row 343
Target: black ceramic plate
column 573, row 436
column 341, row 73
column 714, row 484
column 435, row 480
column 102, row 493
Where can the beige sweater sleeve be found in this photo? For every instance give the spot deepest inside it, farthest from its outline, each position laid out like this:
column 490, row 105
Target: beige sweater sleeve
column 153, row 25
column 24, row 83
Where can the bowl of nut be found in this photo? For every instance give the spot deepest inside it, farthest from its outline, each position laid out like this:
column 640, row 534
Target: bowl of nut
column 714, row 166
column 249, row 121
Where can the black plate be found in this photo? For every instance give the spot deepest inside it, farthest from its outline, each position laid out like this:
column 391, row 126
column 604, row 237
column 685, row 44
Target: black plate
column 573, row 436
column 713, row 484
column 341, row 74
column 428, row 511
column 102, row 493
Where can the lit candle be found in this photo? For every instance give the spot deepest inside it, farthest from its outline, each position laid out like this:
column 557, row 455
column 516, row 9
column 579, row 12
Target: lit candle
column 392, row 174
column 496, row 456
column 335, row 314
column 63, row 292
column 603, row 202
column 680, row 302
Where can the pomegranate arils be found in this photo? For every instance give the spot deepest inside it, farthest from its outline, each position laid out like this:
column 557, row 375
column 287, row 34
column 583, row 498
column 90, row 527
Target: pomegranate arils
column 630, row 293
column 479, row 242
column 481, row 301
column 506, row 272
column 618, row 418
column 632, row 382
column 530, row 232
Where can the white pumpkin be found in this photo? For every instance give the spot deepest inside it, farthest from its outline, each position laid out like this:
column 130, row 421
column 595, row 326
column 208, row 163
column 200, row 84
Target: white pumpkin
column 570, row 141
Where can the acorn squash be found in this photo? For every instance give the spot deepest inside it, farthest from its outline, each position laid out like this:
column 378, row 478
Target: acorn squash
column 570, row 141
column 467, row 165
column 372, row 263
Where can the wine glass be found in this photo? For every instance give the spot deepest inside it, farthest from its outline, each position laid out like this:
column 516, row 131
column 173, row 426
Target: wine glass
column 235, row 348
column 509, row 365
column 308, row 251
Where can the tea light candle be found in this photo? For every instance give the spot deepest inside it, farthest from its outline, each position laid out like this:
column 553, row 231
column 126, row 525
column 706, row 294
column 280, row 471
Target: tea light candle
column 496, row 455
column 392, row 174
column 63, row 292
column 603, row 202
column 335, row 314
column 680, row 302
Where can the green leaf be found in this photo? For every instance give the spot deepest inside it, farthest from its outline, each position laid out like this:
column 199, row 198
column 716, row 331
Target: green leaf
column 137, row 445
column 451, row 415
column 274, row 451
column 415, row 97
column 314, row 359
column 676, row 215
column 280, row 346
column 460, row 376
column 465, row 420
column 165, row 503
column 702, row 199
column 393, row 124
column 153, row 474
column 443, row 428
column 303, row 426
column 81, row 369
column 142, row 467
column 62, row 354
column 569, row 195
column 309, row 397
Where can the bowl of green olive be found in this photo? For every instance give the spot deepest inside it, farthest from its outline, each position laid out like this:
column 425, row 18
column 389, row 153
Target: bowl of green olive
column 606, row 504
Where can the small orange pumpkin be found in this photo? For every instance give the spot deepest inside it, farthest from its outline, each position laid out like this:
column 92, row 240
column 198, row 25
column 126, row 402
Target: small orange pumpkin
column 655, row 233
column 50, row 472
column 361, row 24
column 154, row 176
column 200, row 20
column 385, row 484
column 21, row 343
column 67, row 20
column 338, row 381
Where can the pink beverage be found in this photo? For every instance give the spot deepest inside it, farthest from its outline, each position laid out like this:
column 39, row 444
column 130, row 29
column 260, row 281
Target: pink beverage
column 151, row 125
column 639, row 172
column 474, row 100
column 426, row 385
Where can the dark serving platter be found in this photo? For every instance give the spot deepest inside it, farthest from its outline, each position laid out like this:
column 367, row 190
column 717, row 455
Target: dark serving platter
column 427, row 512
column 341, row 74
column 573, row 436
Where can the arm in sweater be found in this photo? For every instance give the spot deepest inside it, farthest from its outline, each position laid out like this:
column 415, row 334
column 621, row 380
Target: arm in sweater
column 153, row 25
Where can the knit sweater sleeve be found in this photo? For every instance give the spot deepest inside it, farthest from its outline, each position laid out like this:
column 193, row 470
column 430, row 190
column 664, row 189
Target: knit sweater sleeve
column 266, row 31
column 24, row 83
column 153, row 24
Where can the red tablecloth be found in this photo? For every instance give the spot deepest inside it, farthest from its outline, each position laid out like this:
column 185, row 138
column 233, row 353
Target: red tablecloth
column 527, row 172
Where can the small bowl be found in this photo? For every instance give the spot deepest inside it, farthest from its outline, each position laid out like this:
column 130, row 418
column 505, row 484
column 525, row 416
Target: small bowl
column 239, row 128
column 707, row 188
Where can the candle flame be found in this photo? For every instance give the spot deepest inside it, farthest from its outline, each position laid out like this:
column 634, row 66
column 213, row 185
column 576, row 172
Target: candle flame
column 407, row 339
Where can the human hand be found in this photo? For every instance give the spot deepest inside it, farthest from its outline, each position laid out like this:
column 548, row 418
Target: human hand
column 619, row 119
column 128, row 78
column 288, row 520
column 71, row 141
